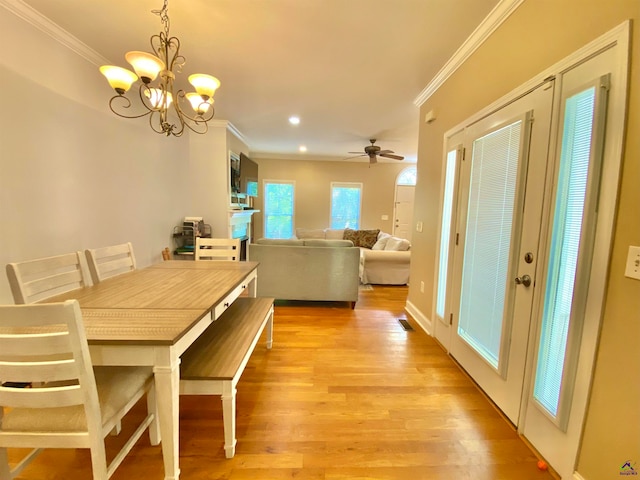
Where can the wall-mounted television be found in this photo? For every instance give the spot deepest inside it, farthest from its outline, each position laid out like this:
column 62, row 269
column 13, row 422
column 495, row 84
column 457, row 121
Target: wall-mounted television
column 244, row 175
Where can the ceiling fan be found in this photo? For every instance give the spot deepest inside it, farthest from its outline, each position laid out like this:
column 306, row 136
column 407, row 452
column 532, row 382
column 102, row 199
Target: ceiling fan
column 373, row 151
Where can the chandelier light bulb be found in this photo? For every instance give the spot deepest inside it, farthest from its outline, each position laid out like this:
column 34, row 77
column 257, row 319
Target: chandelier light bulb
column 205, row 85
column 119, row 78
column 156, row 97
column 146, row 65
column 199, row 105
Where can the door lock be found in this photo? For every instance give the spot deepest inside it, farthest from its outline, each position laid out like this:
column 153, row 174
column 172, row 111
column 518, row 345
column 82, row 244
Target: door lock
column 523, row 280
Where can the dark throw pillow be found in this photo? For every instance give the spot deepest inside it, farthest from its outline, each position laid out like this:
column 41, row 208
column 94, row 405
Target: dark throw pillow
column 361, row 238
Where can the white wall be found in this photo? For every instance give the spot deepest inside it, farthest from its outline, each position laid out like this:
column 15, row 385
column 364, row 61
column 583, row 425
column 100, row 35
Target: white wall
column 72, row 174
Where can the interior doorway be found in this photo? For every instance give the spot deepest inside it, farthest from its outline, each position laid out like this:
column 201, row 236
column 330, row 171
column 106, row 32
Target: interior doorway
column 403, row 204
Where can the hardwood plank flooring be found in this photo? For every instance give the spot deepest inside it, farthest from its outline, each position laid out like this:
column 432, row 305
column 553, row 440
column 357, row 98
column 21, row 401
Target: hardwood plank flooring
column 343, row 394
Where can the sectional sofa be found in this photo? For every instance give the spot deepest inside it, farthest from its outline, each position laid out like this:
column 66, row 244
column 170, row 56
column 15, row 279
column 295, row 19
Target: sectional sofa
column 384, row 259
column 307, row 269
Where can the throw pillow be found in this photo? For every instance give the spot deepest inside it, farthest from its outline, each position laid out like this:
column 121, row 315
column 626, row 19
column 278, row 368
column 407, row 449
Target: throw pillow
column 361, row 238
column 397, row 244
column 383, row 238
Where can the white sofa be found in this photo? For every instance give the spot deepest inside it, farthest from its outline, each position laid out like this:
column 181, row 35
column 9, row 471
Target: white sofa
column 384, row 259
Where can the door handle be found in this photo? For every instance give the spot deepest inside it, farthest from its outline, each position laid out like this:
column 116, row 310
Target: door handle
column 523, row 280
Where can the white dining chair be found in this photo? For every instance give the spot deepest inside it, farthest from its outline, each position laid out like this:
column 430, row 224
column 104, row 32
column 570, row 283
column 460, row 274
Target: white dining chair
column 72, row 406
column 36, row 280
column 110, row 261
column 217, row 249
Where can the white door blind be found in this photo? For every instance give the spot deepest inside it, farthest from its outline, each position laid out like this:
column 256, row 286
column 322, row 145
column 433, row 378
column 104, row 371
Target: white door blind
column 565, row 244
column 492, row 190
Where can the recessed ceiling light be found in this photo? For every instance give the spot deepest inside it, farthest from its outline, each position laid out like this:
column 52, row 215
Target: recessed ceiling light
column 293, row 120
column 302, row 148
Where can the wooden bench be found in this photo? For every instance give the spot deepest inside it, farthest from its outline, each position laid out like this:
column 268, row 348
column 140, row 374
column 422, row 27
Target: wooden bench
column 213, row 364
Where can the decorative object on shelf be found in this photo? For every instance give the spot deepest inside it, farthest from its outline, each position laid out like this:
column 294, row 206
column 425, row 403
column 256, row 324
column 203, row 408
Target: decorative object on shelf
column 185, row 235
column 159, row 101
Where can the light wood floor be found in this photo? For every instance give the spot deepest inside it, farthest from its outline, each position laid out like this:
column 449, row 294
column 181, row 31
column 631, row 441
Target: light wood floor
column 343, row 394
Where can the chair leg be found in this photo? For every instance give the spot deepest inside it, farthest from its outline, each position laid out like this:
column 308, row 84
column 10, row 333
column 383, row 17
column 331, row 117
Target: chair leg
column 229, row 418
column 5, row 471
column 99, row 460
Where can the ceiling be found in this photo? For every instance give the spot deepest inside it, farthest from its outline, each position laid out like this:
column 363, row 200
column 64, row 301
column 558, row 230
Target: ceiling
column 350, row 69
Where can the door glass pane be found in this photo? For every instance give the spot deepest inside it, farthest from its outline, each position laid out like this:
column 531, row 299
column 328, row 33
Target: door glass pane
column 445, row 235
column 565, row 244
column 278, row 209
column 487, row 248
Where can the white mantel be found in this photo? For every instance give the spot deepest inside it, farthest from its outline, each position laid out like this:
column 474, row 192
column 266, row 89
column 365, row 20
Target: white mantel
column 240, row 224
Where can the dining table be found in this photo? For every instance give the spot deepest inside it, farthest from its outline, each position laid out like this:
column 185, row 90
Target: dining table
column 150, row 316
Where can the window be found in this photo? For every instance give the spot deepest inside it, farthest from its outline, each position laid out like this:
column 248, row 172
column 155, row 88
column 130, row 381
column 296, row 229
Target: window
column 408, row 176
column 278, row 209
column 345, row 205
column 572, row 222
column 445, row 232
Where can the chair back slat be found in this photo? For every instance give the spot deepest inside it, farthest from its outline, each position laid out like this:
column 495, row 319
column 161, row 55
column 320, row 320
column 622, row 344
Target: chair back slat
column 40, row 371
column 109, row 261
column 42, row 397
column 25, row 344
column 35, row 280
column 217, row 249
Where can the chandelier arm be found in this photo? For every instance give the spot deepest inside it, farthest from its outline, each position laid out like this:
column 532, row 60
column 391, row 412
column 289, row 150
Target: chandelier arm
column 126, row 105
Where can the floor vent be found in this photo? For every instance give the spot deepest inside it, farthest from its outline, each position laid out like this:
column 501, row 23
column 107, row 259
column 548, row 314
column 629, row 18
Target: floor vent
column 406, row 325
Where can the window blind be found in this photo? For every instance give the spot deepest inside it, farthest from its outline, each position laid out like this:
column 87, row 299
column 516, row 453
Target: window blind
column 488, row 240
column 565, row 245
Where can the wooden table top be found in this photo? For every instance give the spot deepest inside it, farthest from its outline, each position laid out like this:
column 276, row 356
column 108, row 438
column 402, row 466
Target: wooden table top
column 158, row 304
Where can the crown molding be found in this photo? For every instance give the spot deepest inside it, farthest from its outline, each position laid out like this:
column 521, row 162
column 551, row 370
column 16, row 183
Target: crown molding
column 496, row 17
column 42, row 23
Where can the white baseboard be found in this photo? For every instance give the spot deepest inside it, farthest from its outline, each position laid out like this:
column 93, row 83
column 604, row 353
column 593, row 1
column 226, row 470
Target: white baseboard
column 577, row 476
column 422, row 320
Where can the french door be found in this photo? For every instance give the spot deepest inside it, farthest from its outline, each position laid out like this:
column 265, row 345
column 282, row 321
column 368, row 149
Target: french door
column 528, row 214
column 502, row 182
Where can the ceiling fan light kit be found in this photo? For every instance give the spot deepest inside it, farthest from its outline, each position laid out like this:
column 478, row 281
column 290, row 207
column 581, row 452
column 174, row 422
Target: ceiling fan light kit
column 160, row 101
column 373, row 152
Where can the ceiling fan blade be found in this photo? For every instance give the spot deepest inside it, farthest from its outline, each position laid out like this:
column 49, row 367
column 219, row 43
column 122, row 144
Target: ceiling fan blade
column 357, row 153
column 384, row 152
column 388, row 155
column 355, row 156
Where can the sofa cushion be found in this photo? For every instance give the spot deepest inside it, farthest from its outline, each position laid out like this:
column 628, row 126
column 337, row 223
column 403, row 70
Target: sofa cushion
column 280, row 241
column 303, row 233
column 317, row 242
column 397, row 244
column 362, row 238
column 334, row 233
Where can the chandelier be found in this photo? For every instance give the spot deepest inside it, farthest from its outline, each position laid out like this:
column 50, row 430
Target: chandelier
column 158, row 99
